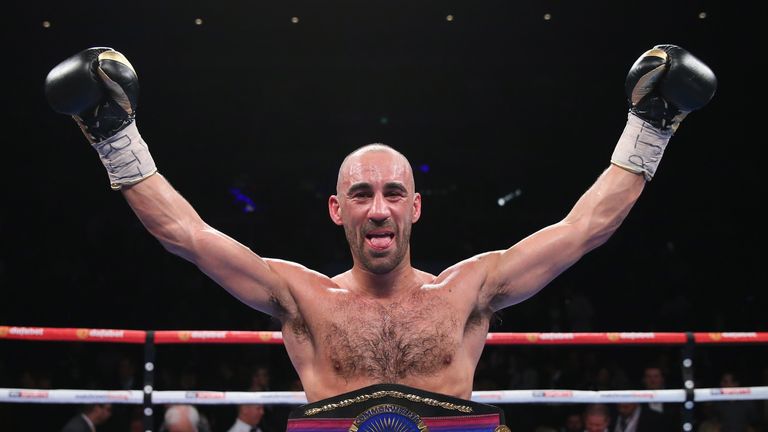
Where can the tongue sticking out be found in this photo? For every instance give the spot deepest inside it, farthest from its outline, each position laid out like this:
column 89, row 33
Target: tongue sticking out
column 380, row 241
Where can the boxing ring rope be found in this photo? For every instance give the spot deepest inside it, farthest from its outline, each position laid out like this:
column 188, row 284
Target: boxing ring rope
column 276, row 337
column 149, row 397
column 160, row 397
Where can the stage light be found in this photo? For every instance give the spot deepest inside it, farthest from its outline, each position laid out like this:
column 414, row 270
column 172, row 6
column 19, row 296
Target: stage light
column 509, row 197
column 248, row 205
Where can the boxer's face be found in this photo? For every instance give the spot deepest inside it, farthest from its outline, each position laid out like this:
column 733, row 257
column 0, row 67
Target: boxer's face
column 376, row 203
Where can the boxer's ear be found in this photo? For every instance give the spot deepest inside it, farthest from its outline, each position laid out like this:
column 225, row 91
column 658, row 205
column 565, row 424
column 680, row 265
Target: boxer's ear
column 416, row 207
column 334, row 209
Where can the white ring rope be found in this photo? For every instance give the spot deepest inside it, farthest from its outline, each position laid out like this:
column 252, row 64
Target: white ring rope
column 298, row 398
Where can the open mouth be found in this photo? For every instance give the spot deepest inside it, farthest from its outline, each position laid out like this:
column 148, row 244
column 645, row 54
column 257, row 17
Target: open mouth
column 380, row 240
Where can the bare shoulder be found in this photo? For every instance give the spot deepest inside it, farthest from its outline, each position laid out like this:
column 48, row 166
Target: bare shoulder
column 425, row 277
column 475, row 267
column 301, row 281
column 298, row 275
column 470, row 280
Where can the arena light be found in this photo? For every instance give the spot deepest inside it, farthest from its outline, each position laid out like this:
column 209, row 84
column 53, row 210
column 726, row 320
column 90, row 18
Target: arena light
column 509, row 197
column 248, row 205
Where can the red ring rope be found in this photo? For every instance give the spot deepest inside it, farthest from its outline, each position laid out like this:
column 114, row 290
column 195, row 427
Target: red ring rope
column 274, row 337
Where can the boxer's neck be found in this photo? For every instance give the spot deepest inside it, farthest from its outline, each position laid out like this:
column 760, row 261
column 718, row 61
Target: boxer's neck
column 401, row 279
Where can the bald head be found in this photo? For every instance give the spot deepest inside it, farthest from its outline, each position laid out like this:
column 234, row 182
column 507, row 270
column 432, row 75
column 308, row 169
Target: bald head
column 181, row 418
column 354, row 164
column 376, row 203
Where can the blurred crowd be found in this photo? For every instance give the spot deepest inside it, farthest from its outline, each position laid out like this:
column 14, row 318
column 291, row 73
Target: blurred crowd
column 262, row 368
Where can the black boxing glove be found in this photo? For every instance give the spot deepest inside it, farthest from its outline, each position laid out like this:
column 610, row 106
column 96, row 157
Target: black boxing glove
column 663, row 86
column 99, row 88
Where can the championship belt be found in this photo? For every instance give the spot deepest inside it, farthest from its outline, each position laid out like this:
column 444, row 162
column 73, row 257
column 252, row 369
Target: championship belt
column 395, row 408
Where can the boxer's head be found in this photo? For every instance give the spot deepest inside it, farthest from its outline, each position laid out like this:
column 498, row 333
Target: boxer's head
column 376, row 203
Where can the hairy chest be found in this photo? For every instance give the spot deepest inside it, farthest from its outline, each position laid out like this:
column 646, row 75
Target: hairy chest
column 418, row 336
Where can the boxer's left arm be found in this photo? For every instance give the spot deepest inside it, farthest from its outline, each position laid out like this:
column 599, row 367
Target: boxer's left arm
column 663, row 86
column 515, row 274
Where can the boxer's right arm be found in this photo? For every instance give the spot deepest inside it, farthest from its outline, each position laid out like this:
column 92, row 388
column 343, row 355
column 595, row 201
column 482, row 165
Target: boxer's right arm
column 181, row 231
column 98, row 87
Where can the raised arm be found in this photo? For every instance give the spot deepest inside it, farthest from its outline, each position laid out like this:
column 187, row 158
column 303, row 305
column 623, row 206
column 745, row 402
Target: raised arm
column 181, row 231
column 663, row 86
column 99, row 88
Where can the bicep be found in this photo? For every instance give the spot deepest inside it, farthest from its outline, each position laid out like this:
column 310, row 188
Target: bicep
column 521, row 271
column 178, row 227
column 525, row 268
column 247, row 276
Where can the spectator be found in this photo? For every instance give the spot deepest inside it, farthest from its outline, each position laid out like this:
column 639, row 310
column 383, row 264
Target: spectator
column 573, row 423
column 126, row 374
column 261, row 379
column 654, row 379
column 596, row 418
column 735, row 416
column 632, row 417
column 184, row 418
column 90, row 416
column 249, row 417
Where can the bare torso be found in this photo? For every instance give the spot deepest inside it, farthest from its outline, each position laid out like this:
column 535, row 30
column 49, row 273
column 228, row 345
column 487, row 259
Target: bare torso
column 429, row 336
column 427, row 331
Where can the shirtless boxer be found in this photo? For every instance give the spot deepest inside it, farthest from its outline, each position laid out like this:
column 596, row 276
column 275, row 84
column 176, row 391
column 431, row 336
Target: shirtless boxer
column 383, row 321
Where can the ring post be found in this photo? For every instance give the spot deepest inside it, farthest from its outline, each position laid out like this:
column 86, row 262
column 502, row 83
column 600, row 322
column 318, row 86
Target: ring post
column 149, row 379
column 688, row 382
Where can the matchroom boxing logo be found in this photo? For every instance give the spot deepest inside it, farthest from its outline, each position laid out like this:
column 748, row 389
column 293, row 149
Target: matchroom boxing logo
column 566, row 394
column 204, row 395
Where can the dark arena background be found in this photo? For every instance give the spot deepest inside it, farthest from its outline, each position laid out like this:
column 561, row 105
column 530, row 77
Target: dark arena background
column 250, row 106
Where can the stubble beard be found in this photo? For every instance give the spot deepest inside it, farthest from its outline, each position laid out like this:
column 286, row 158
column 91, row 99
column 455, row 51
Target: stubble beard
column 372, row 261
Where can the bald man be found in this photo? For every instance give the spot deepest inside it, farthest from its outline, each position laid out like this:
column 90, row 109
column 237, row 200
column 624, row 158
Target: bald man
column 181, row 418
column 383, row 333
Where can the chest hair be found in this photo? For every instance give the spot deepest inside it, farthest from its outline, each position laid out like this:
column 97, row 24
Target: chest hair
column 387, row 343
